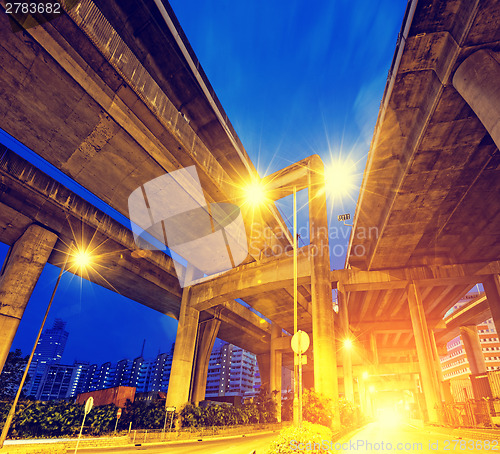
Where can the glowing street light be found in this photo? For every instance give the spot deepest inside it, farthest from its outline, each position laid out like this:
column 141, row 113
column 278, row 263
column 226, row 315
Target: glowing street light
column 365, row 375
column 255, row 194
column 348, row 344
column 80, row 258
column 340, row 178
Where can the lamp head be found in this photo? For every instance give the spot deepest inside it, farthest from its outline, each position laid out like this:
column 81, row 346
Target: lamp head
column 255, row 194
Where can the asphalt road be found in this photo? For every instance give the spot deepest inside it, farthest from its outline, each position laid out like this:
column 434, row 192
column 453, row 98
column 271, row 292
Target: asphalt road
column 238, row 445
column 397, row 438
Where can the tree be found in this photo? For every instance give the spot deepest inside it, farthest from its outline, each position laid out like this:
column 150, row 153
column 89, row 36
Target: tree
column 143, row 415
column 267, row 406
column 11, row 374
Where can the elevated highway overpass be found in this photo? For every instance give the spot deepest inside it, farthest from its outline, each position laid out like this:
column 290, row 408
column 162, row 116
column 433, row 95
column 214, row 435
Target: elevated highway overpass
column 112, row 95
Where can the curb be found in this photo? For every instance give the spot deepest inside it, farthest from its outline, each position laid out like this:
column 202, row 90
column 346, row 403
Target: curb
column 163, row 443
column 465, row 433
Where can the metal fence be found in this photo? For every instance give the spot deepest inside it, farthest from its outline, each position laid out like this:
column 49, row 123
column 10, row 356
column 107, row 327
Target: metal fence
column 472, row 413
column 476, row 386
column 159, row 435
column 494, row 378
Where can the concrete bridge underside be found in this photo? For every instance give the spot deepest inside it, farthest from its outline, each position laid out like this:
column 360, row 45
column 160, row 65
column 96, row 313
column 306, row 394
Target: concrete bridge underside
column 116, row 101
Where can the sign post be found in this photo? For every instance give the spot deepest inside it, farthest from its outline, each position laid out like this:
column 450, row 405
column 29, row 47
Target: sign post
column 168, row 410
column 118, row 416
column 300, row 344
column 88, row 406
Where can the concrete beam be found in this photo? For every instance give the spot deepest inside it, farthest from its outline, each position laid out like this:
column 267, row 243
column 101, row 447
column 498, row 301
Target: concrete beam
column 394, row 326
column 260, row 337
column 387, row 369
column 282, row 343
column 477, row 79
column 73, row 217
column 251, row 321
column 142, row 109
column 433, row 275
column 19, row 274
column 252, row 278
column 281, row 183
column 472, row 313
column 408, row 108
column 397, row 351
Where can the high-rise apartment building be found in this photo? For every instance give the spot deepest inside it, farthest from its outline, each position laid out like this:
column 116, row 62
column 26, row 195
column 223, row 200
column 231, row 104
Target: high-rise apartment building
column 232, row 371
column 49, row 351
column 455, row 364
column 63, row 382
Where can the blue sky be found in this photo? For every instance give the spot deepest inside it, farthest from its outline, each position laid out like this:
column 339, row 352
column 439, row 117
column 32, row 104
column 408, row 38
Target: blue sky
column 295, row 78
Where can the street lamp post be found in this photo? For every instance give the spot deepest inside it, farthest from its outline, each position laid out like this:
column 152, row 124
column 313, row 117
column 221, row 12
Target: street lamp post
column 83, row 260
column 297, row 403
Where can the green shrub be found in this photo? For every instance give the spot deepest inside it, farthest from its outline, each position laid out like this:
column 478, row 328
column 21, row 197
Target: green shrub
column 317, row 408
column 349, row 413
column 56, row 418
column 263, row 410
column 143, row 415
column 302, row 439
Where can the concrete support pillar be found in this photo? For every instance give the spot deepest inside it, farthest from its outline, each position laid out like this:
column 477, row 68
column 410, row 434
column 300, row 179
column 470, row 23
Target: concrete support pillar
column 346, row 350
column 477, row 80
column 424, row 352
column 263, row 361
column 275, row 359
column 207, row 333
column 324, row 351
column 18, row 277
column 373, row 348
column 362, row 396
column 473, row 349
column 438, row 368
column 182, row 362
column 492, row 289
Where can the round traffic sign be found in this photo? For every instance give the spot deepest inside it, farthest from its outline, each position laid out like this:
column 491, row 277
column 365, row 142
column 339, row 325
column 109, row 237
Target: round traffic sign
column 89, row 404
column 300, row 342
column 119, row 413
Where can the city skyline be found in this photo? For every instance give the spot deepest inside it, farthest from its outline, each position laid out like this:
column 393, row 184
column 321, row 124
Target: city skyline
column 232, row 371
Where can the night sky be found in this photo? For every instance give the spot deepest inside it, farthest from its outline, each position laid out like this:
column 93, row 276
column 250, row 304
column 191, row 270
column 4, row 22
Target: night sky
column 295, row 78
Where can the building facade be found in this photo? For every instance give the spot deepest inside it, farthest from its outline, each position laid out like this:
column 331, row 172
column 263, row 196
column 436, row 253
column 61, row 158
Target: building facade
column 232, row 371
column 455, row 365
column 49, row 351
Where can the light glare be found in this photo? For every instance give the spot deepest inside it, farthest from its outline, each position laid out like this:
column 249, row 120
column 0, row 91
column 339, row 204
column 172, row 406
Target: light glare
column 339, row 178
column 388, row 417
column 82, row 259
column 255, row 194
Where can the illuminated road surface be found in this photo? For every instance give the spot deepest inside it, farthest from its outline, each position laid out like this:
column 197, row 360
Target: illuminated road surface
column 237, row 445
column 395, row 438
